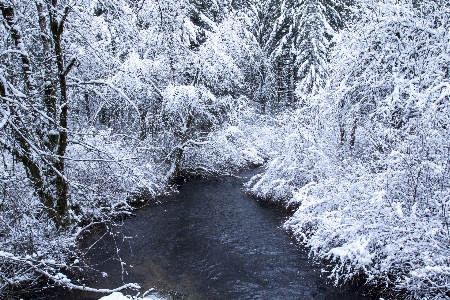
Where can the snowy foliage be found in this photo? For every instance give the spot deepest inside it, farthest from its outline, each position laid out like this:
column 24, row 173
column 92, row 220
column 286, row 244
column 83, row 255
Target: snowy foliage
column 312, row 46
column 228, row 150
column 295, row 158
column 375, row 202
column 107, row 171
column 105, row 102
column 29, row 241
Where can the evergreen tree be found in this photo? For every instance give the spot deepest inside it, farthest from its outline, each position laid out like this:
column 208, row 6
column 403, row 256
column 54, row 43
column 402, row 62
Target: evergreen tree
column 315, row 23
column 295, row 39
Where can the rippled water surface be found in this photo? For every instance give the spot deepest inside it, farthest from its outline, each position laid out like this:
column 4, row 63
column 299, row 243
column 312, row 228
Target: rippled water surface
column 210, row 241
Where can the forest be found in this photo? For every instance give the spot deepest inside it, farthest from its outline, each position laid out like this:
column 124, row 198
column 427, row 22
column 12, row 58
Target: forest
column 345, row 104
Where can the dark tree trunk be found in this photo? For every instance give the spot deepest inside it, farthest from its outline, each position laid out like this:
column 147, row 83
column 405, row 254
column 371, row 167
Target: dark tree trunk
column 46, row 171
column 341, row 122
column 60, row 183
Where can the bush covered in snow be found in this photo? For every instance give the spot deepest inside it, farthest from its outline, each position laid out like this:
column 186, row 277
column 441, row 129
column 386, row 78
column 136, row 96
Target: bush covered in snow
column 29, row 241
column 295, row 153
column 243, row 140
column 371, row 185
column 108, row 170
column 105, row 171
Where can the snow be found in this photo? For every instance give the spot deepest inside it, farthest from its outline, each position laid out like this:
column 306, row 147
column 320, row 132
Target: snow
column 114, row 296
column 355, row 251
column 120, row 296
column 358, row 147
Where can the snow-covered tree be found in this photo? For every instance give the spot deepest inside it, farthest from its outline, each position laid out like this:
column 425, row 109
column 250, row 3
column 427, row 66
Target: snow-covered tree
column 376, row 161
column 312, row 45
column 295, row 38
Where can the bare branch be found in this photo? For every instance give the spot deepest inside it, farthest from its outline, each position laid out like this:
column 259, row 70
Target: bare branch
column 63, row 20
column 69, row 66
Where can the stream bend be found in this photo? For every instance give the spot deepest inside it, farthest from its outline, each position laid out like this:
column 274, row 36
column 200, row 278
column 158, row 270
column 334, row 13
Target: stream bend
column 211, row 241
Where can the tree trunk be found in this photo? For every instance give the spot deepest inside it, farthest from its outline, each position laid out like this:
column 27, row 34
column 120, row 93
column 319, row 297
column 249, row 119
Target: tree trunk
column 60, row 183
column 46, row 171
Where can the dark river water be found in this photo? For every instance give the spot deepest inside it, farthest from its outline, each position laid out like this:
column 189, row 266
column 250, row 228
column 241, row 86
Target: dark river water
column 210, row 241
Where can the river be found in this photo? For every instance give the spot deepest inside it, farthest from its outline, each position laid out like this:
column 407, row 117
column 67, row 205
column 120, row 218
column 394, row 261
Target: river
column 210, row 241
